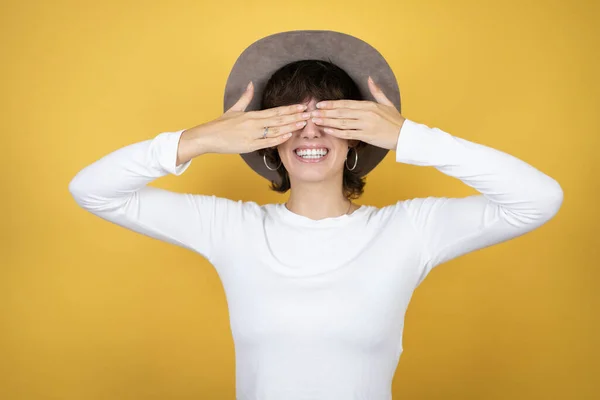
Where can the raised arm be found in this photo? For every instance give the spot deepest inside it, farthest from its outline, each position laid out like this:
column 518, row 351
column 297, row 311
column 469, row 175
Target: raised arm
column 514, row 198
column 116, row 189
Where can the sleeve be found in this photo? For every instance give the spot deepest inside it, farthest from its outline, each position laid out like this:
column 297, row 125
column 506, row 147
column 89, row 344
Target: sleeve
column 514, row 198
column 115, row 189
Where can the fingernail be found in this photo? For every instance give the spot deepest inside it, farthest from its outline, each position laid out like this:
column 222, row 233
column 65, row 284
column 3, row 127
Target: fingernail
column 301, row 123
column 301, row 107
column 321, row 104
column 317, row 120
column 328, row 130
column 249, row 86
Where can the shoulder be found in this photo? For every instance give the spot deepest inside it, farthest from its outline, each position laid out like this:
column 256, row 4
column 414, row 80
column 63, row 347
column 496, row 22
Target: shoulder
column 240, row 208
column 385, row 211
column 403, row 211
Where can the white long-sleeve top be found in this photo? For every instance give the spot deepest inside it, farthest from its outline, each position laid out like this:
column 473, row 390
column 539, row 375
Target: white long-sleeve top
column 317, row 306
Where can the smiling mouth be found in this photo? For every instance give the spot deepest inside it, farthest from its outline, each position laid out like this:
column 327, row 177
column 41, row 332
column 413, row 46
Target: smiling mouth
column 312, row 154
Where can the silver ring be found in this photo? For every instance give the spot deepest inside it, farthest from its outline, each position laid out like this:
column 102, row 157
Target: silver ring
column 265, row 132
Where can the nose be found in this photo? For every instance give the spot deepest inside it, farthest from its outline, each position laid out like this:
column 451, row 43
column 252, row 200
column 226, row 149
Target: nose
column 310, row 130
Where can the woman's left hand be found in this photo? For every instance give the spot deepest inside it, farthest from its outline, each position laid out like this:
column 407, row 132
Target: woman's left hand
column 374, row 123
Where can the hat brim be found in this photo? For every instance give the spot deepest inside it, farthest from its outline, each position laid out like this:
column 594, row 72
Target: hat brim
column 359, row 59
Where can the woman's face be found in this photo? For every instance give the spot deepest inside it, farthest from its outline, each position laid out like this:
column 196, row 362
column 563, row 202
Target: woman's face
column 311, row 155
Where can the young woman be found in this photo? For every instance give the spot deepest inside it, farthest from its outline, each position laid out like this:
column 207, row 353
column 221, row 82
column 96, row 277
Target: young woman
column 317, row 287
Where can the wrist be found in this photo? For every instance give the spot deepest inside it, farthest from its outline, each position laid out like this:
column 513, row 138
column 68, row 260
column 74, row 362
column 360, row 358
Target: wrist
column 398, row 132
column 192, row 143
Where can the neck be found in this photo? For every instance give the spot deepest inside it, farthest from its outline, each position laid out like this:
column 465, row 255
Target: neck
column 318, row 200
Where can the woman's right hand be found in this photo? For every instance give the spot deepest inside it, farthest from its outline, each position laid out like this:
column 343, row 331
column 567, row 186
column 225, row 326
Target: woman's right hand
column 238, row 132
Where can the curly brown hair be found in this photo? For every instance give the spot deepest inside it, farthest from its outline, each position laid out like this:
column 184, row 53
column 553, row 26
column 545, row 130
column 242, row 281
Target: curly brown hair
column 297, row 82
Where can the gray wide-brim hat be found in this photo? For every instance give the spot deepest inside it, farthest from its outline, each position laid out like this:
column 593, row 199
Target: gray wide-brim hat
column 359, row 59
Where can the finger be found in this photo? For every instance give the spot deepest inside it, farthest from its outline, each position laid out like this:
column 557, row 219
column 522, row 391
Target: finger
column 278, row 111
column 348, row 134
column 272, row 142
column 284, row 119
column 244, row 100
column 354, row 104
column 378, row 93
column 275, row 131
column 349, row 113
column 339, row 123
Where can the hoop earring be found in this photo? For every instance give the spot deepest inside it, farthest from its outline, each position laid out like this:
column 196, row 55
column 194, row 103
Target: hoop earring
column 355, row 159
column 267, row 164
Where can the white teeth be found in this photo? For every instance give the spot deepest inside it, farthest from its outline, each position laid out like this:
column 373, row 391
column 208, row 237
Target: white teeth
column 311, row 153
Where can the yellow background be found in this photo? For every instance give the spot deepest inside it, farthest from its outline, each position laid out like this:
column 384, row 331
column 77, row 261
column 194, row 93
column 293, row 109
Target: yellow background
column 91, row 311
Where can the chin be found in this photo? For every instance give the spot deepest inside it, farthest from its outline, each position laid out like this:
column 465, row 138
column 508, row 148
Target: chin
column 308, row 176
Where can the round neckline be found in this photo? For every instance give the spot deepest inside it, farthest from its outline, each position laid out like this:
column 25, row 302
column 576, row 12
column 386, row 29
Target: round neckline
column 278, row 213
column 296, row 219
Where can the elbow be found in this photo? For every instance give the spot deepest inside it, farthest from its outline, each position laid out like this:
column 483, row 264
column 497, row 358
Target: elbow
column 88, row 194
column 552, row 200
column 538, row 208
column 82, row 191
column 77, row 190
